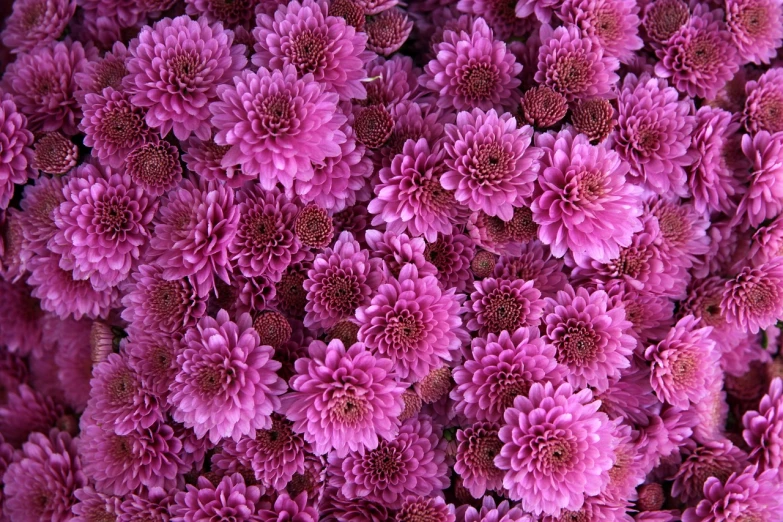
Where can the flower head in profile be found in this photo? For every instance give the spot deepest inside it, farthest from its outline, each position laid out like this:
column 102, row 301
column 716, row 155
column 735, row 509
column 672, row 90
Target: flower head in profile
column 16, row 162
column 764, row 103
column 763, row 431
column 753, row 299
column 174, row 69
column 502, row 304
column 229, row 498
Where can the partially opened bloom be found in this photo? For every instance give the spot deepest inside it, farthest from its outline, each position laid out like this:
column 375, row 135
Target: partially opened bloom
column 15, row 140
column 55, row 154
column 557, row 447
column 764, row 429
column 154, row 166
column 542, row 107
column 478, row 446
column 226, row 385
column 343, row 399
column 614, row 23
column 388, row 31
column 663, row 18
column 502, row 304
column 229, row 498
column 753, row 299
column 595, row 118
column 174, row 69
column 755, row 27
column 764, row 104
column 36, row 22
column 762, row 201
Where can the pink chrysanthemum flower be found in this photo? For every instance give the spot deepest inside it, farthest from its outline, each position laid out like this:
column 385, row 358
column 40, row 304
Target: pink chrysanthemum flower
column 501, row 304
column 150, row 507
column 753, row 299
column 412, row 121
column 342, row 279
column 28, row 411
column 153, row 358
column 94, row 506
column 478, row 446
column 683, row 363
column 413, row 463
column 503, row 237
column 756, row 28
column 654, row 133
column 491, row 165
column 534, row 263
column 764, row 429
column 542, row 9
column 764, row 103
column 574, row 64
column 591, row 336
column 194, row 227
column 409, row 196
column 286, row 508
column 719, row 459
column 412, row 321
column 36, row 22
column 265, row 243
column 393, row 80
column 302, row 34
column 205, row 159
column 433, row 509
column 499, row 14
column 700, row 57
column 295, row 123
column 21, row 313
column 764, row 198
column 683, row 231
column 356, row 392
column 154, row 166
column 650, row 315
column 499, row 368
column 398, row 250
column 113, row 126
column 747, row 495
column 614, row 23
column 41, row 483
column 103, row 225
column 582, row 201
column 229, row 498
column 388, row 31
column 55, row 154
column 174, row 69
column 711, row 178
column 16, row 142
column 226, row 385
column 42, row 83
column 554, row 437
column 663, row 18
column 472, row 70
column 37, row 217
column 107, row 71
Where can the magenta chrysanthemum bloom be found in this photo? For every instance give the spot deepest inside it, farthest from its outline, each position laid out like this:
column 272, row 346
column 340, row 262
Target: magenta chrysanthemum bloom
column 748, row 495
column 654, row 133
column 17, row 157
column 195, row 226
column 37, row 217
column 343, row 398
column 226, row 385
column 591, row 336
column 614, row 23
column 55, row 154
column 294, row 122
column 303, row 34
column 534, row 263
column 154, row 166
column 412, row 321
column 113, row 126
column 102, row 226
column 472, row 70
column 555, row 437
column 502, row 304
column 711, row 179
column 42, row 83
column 414, row 463
column 574, row 64
column 36, row 22
column 683, row 363
column 153, row 357
column 150, row 507
column 122, row 464
column 393, row 80
column 763, row 201
column 683, row 231
column 753, row 299
column 27, row 411
column 21, row 313
column 107, row 71
column 342, row 279
column 491, row 165
column 40, row 485
column 719, row 459
column 582, row 201
column 205, row 159
column 398, row 250
column 433, row 509
column 229, row 499
column 700, row 57
column 94, row 506
column 287, row 508
column 499, row 14
column 409, row 196
column 478, row 446
column 499, row 368
column 756, row 28
column 265, row 243
column 388, row 31
column 174, row 69
column 764, row 103
column 764, row 429
column 663, row 18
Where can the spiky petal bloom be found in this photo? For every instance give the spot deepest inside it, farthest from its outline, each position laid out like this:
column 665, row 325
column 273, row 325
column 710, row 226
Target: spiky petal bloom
column 582, row 201
column 226, row 385
column 342, row 279
column 654, row 132
column 412, row 321
column 614, row 23
column 102, row 226
column 302, row 34
column 700, row 57
column 591, row 336
column 764, row 428
column 553, row 437
column 410, row 197
column 343, row 398
column 15, row 141
column 174, row 70
column 36, row 22
column 499, row 368
column 762, row 201
column 764, row 103
column 295, row 123
column 195, row 226
column 756, row 29
column 502, row 304
column 42, row 83
column 472, row 70
column 229, row 499
column 574, row 64
column 753, row 299
column 40, row 484
column 414, row 463
column 683, row 363
column 491, row 165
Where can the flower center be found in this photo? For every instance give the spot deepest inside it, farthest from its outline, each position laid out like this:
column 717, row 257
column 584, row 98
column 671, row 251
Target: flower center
column 606, row 25
column 166, row 296
column 307, row 51
column 478, row 81
column 210, row 380
column 273, row 328
column 571, row 73
column 502, row 311
column 553, row 451
column 578, row 344
column 349, row 410
column 434, row 196
column 702, row 53
column 590, row 186
column 109, row 73
column 631, row 262
column 112, row 215
column 374, row 126
column 483, row 448
column 260, row 229
column 647, row 140
column 384, row 462
column 673, row 226
column 152, row 164
column 161, row 359
column 276, row 113
column 277, row 437
column 510, row 386
column 342, row 293
column 753, row 19
column 185, row 67
column 664, row 18
column 761, row 298
column 121, row 387
column 404, row 330
column 121, row 124
column 33, row 15
column 291, row 295
column 683, row 369
column 770, row 112
column 492, row 164
column 120, row 447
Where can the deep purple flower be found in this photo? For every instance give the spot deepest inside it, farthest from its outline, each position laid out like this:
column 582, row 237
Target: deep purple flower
column 764, row 429
column 314, row 227
column 764, row 103
column 501, row 304
column 755, row 28
column 753, row 299
column 613, row 23
column 17, row 157
column 478, row 446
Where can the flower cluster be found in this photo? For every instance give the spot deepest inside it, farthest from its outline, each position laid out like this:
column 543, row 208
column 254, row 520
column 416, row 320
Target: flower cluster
column 391, row 261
